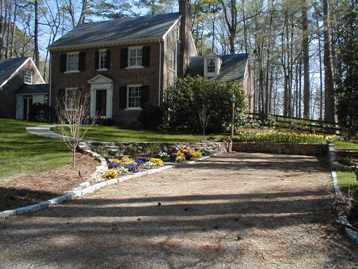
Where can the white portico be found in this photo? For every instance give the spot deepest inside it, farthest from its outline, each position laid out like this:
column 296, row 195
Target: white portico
column 101, row 96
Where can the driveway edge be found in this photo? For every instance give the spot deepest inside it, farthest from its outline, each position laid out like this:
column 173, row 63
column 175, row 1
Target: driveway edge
column 342, row 218
column 85, row 187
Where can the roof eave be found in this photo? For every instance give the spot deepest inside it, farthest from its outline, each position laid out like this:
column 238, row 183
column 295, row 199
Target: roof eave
column 105, row 44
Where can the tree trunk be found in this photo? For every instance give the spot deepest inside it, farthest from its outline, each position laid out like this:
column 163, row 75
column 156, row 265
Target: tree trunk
column 306, row 63
column 329, row 89
column 36, row 34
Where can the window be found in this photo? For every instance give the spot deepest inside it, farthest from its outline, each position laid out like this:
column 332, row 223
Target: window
column 71, row 99
column 135, row 56
column 72, row 63
column 28, row 76
column 134, row 96
column 211, row 66
column 102, row 59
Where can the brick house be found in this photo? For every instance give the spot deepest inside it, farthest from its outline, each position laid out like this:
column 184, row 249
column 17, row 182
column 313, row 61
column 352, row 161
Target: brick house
column 21, row 88
column 125, row 63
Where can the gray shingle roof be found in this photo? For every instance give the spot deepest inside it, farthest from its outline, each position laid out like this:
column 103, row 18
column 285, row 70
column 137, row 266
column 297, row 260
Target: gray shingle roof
column 117, row 31
column 34, row 89
column 232, row 67
column 9, row 66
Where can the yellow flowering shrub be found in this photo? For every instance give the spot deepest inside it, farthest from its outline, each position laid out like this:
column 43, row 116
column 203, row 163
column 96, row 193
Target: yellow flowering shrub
column 111, row 173
column 156, row 161
column 196, row 154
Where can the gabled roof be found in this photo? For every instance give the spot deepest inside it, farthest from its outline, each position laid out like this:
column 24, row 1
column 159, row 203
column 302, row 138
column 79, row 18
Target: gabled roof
column 122, row 30
column 8, row 67
column 232, row 66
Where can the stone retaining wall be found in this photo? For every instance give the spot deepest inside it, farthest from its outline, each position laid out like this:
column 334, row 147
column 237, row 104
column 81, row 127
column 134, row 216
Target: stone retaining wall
column 294, row 149
column 108, row 149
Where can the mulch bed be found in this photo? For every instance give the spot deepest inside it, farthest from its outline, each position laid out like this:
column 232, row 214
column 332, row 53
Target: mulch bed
column 34, row 188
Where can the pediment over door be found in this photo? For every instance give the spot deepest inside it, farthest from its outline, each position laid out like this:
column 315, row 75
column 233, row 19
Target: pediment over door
column 100, row 79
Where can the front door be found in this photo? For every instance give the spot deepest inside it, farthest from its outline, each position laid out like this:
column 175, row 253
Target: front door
column 27, row 107
column 101, row 103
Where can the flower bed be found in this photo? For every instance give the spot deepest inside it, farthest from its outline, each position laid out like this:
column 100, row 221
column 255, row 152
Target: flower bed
column 125, row 164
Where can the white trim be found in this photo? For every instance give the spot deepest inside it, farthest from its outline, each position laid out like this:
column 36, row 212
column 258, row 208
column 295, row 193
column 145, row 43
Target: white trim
column 72, row 72
column 128, row 59
column 101, row 82
column 19, row 68
column 170, row 29
column 102, row 69
column 127, row 101
column 72, row 53
column 107, row 44
column 69, row 89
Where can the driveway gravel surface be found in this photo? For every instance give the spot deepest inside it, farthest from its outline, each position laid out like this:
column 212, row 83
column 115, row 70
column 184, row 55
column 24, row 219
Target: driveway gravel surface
column 235, row 210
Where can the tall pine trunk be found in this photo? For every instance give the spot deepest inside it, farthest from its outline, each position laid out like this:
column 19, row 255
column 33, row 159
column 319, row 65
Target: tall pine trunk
column 306, row 63
column 329, row 89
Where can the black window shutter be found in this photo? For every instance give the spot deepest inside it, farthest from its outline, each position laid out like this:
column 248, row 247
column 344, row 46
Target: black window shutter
column 63, row 62
column 123, row 97
column 146, row 56
column 96, row 60
column 124, row 57
column 145, row 96
column 60, row 98
column 108, row 62
column 82, row 61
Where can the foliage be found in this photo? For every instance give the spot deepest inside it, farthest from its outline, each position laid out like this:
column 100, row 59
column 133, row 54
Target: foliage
column 150, row 117
column 277, row 136
column 191, row 97
column 347, row 77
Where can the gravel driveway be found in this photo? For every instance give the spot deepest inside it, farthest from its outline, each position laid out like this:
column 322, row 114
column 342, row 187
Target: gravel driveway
column 233, row 211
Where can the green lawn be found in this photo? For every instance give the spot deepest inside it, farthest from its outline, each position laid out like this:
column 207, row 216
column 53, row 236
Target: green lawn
column 113, row 134
column 347, row 181
column 22, row 153
column 346, row 145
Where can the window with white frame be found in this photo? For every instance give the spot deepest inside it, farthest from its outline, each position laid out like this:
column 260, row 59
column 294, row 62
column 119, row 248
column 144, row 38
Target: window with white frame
column 134, row 96
column 211, row 66
column 135, row 56
column 71, row 95
column 102, row 59
column 72, row 62
column 28, row 76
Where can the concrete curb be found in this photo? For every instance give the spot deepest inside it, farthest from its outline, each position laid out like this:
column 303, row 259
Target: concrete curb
column 342, row 219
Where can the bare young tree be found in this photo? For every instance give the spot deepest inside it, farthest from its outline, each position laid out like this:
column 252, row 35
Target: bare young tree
column 72, row 112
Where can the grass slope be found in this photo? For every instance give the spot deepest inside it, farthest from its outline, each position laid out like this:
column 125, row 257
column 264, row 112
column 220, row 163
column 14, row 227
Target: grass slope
column 347, row 181
column 22, row 153
column 113, row 134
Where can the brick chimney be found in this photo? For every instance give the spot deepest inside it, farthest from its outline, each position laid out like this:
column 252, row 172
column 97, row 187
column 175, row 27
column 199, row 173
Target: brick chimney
column 185, row 31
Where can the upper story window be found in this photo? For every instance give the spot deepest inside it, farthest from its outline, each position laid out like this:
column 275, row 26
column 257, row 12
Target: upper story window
column 134, row 97
column 72, row 62
column 135, row 56
column 211, row 66
column 28, row 76
column 103, row 59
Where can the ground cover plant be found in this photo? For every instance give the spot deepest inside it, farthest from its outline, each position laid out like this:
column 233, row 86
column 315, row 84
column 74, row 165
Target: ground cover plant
column 281, row 136
column 125, row 164
column 22, row 153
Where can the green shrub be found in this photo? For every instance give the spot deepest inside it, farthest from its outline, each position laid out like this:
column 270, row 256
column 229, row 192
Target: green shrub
column 202, row 105
column 151, row 117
